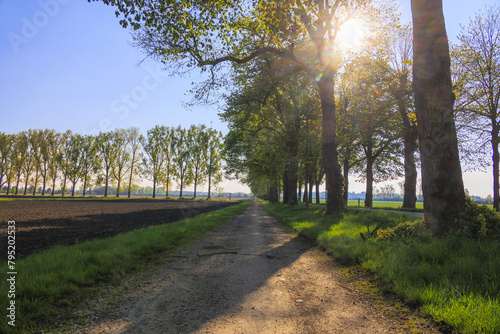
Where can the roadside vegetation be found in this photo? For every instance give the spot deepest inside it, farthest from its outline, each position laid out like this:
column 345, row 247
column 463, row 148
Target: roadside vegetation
column 51, row 283
column 454, row 279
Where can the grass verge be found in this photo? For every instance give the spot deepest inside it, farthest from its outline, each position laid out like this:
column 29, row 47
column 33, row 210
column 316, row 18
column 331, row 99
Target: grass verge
column 455, row 280
column 49, row 284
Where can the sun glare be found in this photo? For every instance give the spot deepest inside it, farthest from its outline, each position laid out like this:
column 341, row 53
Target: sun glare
column 351, row 34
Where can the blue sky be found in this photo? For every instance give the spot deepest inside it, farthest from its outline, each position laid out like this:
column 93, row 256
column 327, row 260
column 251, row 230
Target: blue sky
column 68, row 64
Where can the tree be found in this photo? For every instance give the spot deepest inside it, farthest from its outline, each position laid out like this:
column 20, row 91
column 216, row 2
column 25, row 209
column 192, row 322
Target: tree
column 74, row 155
column 134, row 138
column 169, row 151
column 375, row 117
column 46, row 137
column 476, row 67
column 200, row 33
column 444, row 196
column 26, row 150
column 183, row 158
column 153, row 155
column 108, row 152
column 121, row 164
column 64, row 156
column 213, row 158
column 89, row 161
column 54, row 156
column 400, row 89
column 199, row 137
column 6, row 142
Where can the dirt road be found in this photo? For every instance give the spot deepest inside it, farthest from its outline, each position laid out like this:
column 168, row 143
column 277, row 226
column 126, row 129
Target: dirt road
column 250, row 276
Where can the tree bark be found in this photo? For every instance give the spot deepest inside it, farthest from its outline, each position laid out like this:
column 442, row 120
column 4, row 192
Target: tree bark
column 410, row 186
column 273, row 194
column 154, row 187
column 305, row 197
column 334, row 181
column 286, row 183
column 369, row 182
column 444, row 196
column 346, row 180
column 292, row 186
column 496, row 165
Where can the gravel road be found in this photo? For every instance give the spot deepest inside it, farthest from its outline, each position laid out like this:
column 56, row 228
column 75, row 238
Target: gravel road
column 249, row 276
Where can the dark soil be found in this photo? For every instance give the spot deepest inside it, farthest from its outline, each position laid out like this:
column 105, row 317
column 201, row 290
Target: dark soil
column 41, row 224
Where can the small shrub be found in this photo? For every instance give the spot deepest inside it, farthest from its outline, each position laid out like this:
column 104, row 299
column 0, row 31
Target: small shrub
column 478, row 221
column 405, row 232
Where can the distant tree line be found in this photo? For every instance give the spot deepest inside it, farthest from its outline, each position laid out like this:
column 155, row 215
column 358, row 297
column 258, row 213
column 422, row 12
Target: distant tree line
column 121, row 158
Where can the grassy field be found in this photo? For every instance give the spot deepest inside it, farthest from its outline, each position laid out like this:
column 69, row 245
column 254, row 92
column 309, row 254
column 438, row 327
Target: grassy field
column 455, row 280
column 51, row 283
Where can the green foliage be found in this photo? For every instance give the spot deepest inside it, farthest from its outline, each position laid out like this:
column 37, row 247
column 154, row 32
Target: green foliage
column 478, row 221
column 454, row 279
column 49, row 284
column 405, row 232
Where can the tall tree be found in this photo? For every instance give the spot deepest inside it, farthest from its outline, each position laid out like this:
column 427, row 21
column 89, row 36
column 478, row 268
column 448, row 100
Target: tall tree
column 74, row 160
column 443, row 189
column 183, row 158
column 54, row 149
column 401, row 43
column 89, row 161
column 477, row 71
column 199, row 137
column 134, row 139
column 169, row 151
column 213, row 158
column 210, row 33
column 153, row 155
column 121, row 164
column 107, row 151
column 6, row 142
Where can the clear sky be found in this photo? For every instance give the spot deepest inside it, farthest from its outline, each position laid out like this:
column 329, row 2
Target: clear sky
column 68, row 64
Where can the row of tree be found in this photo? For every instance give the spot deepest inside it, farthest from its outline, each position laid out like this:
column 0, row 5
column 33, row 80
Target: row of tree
column 301, row 35
column 163, row 155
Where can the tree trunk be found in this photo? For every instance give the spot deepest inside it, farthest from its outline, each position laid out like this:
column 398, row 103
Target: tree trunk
column 84, row 185
column 154, row 187
column 310, row 200
column 496, row 166
column 209, row 184
column 318, row 200
column 334, row 181
column 36, row 183
column 8, row 187
column 369, row 182
column 73, row 190
column 118, row 189
column 305, row 198
column 346, row 180
column 273, row 194
column 444, row 196
column 180, row 194
column 292, row 186
column 410, row 186
column 63, row 190
column 286, row 184
column 17, row 183
column 107, row 182
column 44, row 183
column 131, row 175
column 194, row 195
column 53, row 187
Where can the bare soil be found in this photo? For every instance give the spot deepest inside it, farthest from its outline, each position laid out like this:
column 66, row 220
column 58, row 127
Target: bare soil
column 250, row 276
column 41, row 224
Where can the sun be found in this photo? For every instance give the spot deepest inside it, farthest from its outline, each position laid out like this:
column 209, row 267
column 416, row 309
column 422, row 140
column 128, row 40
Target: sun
column 351, row 34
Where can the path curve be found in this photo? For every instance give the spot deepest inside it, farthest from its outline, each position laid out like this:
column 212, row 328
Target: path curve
column 249, row 276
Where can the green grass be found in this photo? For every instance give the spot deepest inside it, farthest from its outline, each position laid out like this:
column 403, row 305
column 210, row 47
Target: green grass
column 455, row 280
column 49, row 284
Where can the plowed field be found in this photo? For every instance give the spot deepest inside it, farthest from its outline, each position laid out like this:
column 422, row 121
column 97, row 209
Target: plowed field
column 41, row 224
